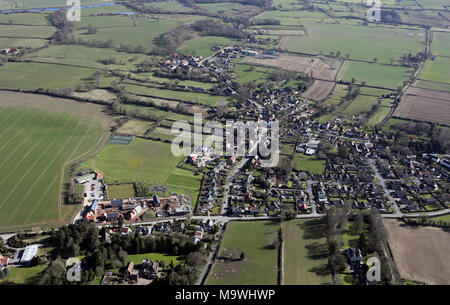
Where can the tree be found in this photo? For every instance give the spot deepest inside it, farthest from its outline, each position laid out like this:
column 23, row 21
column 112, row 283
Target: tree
column 362, row 243
column 242, row 256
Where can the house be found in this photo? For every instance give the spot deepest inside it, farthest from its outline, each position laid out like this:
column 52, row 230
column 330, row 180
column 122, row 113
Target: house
column 3, row 261
column 116, row 203
column 85, row 178
column 354, row 256
column 150, row 268
column 125, row 230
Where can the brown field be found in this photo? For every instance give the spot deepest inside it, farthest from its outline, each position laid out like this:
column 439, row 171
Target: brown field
column 96, row 95
column 319, row 90
column 135, row 127
column 421, row 253
column 425, row 105
column 312, row 66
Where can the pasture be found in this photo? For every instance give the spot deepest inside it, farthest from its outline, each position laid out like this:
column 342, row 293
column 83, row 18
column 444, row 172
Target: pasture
column 202, row 46
column 145, row 161
column 441, row 43
column 39, row 136
column 436, row 70
column 305, row 253
column 260, row 266
column 374, row 74
column 363, row 43
column 421, row 253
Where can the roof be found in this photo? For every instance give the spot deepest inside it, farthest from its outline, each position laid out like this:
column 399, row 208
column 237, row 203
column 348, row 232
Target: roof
column 29, row 253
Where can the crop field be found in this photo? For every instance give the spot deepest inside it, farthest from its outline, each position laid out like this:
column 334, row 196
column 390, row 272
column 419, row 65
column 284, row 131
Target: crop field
column 135, row 127
column 363, row 43
column 325, row 69
column 319, row 90
column 374, row 74
column 436, row 70
column 431, row 85
column 421, row 253
column 425, row 105
column 147, row 161
column 20, row 75
column 260, row 266
column 39, row 136
column 305, row 253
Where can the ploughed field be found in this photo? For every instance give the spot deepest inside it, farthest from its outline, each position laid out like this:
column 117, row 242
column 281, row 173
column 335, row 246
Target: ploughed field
column 40, row 135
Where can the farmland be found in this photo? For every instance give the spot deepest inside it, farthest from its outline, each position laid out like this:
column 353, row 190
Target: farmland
column 40, row 135
column 305, row 253
column 436, row 70
column 373, row 74
column 260, row 264
column 363, row 43
column 424, row 105
column 420, row 253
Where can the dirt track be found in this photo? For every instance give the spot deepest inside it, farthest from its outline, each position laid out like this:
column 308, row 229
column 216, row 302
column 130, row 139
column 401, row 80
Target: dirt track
column 421, row 253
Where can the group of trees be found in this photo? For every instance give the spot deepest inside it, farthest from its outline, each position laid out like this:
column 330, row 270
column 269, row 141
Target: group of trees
column 71, row 240
column 336, row 220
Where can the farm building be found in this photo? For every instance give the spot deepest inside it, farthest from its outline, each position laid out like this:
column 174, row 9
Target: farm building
column 124, row 140
column 28, row 254
column 85, row 178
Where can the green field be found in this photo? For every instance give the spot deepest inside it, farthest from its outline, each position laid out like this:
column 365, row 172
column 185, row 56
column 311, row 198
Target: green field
column 147, row 161
column 364, row 43
column 373, row 74
column 24, row 19
column 260, row 265
column 156, row 257
column 202, row 46
column 361, row 104
column 441, row 43
column 24, row 31
column 39, row 135
column 247, row 73
column 118, row 28
column 22, row 75
column 305, row 253
column 120, row 191
column 436, row 70
column 308, row 163
column 24, row 275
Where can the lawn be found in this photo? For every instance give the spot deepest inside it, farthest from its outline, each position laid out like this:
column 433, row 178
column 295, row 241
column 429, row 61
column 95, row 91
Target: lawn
column 39, row 135
column 359, row 42
column 260, row 266
column 374, row 74
column 24, row 275
column 308, row 163
column 120, row 191
column 305, row 253
column 156, row 257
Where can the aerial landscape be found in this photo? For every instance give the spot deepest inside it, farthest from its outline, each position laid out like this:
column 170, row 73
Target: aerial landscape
column 217, row 143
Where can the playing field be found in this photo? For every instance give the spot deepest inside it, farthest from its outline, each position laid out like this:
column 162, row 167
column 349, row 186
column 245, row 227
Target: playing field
column 38, row 136
column 305, row 253
column 260, row 265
